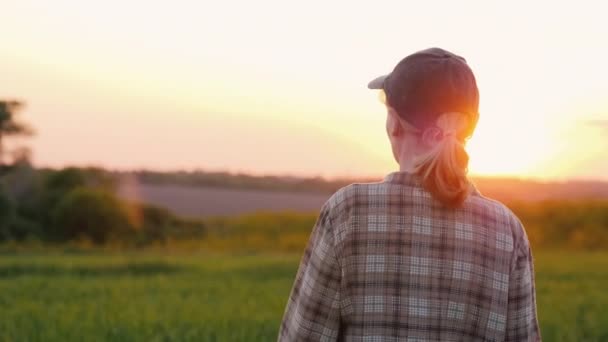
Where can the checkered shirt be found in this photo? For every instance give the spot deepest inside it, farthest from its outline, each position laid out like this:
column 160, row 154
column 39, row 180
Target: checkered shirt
column 387, row 262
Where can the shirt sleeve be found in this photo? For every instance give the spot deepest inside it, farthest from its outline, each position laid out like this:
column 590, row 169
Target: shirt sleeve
column 313, row 308
column 522, row 321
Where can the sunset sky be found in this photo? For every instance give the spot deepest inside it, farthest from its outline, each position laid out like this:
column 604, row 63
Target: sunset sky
column 279, row 87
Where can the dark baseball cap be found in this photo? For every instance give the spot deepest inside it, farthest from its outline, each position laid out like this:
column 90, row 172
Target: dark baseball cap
column 428, row 83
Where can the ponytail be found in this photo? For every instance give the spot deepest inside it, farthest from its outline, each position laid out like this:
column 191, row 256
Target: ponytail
column 443, row 170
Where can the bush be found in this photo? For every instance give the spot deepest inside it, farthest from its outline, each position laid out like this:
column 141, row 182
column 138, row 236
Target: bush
column 93, row 214
column 23, row 185
column 581, row 224
column 22, row 228
column 7, row 216
column 66, row 179
column 155, row 223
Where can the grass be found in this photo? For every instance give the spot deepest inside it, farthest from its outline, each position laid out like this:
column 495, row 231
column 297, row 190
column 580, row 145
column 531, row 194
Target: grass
column 196, row 297
column 571, row 296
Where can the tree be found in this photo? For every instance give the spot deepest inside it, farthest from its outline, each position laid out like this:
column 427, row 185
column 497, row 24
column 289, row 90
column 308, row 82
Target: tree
column 9, row 125
column 95, row 214
column 7, row 215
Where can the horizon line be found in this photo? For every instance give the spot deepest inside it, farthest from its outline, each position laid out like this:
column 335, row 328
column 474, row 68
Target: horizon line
column 313, row 176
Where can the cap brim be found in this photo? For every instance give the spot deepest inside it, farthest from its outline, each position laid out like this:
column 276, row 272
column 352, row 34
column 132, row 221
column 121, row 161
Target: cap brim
column 377, row 83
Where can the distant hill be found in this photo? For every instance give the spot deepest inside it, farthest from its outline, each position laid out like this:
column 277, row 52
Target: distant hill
column 238, row 181
column 205, row 193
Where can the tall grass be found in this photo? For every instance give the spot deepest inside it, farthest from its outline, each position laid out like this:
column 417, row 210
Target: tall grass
column 155, row 296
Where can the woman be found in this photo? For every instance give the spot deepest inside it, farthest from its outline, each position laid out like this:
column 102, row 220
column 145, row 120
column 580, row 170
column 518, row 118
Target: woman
column 421, row 256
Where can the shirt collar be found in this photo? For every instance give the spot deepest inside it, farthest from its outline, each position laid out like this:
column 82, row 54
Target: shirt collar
column 411, row 179
column 404, row 178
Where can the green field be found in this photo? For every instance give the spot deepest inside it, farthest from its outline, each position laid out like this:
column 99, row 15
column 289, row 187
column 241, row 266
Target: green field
column 200, row 297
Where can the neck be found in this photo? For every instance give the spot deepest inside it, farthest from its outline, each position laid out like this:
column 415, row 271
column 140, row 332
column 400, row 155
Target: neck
column 407, row 166
column 407, row 161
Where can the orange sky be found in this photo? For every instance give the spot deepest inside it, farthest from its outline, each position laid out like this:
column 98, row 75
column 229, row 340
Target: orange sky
column 279, row 87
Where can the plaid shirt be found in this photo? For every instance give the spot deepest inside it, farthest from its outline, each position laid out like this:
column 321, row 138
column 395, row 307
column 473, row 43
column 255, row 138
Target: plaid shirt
column 387, row 262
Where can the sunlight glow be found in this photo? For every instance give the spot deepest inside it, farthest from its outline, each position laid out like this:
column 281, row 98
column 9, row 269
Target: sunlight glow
column 271, row 87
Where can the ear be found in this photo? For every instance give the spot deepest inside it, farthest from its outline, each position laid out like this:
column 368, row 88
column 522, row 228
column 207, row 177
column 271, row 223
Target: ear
column 393, row 124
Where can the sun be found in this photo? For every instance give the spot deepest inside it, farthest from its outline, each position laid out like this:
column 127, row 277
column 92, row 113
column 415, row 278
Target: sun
column 510, row 148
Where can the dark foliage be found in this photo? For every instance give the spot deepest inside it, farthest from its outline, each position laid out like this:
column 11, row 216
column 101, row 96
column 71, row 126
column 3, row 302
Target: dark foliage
column 93, row 214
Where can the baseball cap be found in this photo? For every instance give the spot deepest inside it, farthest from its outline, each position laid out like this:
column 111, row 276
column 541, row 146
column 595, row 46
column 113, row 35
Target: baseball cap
column 428, row 83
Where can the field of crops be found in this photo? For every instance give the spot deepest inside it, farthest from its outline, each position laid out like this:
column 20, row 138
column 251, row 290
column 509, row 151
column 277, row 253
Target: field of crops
column 200, row 297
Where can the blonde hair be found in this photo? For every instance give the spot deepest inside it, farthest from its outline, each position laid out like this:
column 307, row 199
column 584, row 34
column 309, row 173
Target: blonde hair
column 444, row 168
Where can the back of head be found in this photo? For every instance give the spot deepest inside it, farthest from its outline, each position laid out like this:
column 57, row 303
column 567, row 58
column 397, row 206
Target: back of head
column 435, row 91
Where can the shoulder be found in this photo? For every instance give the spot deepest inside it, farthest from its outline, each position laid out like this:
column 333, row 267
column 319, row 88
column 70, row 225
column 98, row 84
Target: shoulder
column 347, row 203
column 355, row 193
column 503, row 217
column 349, row 200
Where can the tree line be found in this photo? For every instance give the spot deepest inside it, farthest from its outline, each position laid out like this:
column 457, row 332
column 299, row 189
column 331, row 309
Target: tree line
column 74, row 204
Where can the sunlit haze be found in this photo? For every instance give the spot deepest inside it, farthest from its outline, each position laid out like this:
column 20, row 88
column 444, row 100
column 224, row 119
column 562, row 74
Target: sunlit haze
column 280, row 87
